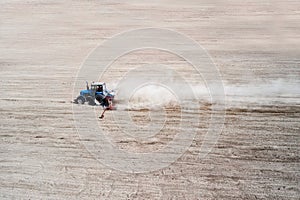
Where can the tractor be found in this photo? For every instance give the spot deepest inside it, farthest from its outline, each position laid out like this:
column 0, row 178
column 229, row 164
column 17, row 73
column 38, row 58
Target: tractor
column 97, row 94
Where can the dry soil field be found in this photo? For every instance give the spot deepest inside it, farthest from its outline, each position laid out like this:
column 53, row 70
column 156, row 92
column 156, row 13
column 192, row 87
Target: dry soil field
column 256, row 47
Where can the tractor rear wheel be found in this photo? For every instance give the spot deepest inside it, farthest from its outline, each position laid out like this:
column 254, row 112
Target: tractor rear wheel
column 100, row 98
column 80, row 100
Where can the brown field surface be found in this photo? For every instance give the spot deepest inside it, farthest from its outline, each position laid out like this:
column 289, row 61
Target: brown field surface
column 256, row 47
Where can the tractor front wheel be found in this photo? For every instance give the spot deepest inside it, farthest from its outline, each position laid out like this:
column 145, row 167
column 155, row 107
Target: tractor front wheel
column 80, row 100
column 91, row 101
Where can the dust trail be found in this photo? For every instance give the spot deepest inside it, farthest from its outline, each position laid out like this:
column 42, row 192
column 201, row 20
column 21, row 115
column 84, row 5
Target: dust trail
column 155, row 96
column 149, row 96
column 278, row 90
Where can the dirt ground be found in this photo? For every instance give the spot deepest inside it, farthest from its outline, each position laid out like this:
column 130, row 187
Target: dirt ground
column 256, row 46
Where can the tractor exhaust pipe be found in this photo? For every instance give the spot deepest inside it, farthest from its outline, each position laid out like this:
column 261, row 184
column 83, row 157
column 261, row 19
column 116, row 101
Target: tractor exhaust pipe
column 87, row 85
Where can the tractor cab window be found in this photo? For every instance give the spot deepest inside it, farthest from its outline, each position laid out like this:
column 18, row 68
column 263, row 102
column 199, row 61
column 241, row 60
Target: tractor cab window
column 99, row 88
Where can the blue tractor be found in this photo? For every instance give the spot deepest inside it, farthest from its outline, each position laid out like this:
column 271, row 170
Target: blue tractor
column 97, row 94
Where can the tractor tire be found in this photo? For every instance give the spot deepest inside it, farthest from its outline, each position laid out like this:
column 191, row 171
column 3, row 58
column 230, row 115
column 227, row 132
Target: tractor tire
column 80, row 100
column 99, row 98
column 91, row 101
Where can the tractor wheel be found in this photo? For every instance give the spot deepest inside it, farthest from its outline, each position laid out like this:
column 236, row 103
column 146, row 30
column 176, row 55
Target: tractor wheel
column 91, row 101
column 80, row 100
column 100, row 98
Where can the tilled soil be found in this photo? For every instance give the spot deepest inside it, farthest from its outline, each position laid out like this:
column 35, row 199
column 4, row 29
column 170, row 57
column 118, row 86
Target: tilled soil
column 254, row 44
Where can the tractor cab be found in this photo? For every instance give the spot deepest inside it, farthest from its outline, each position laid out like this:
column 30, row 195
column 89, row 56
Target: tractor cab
column 98, row 87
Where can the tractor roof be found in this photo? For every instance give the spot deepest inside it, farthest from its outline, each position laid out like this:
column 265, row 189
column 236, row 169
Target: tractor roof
column 98, row 83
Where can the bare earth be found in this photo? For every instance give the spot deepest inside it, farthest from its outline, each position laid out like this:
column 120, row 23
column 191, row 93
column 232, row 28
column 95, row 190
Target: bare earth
column 256, row 46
